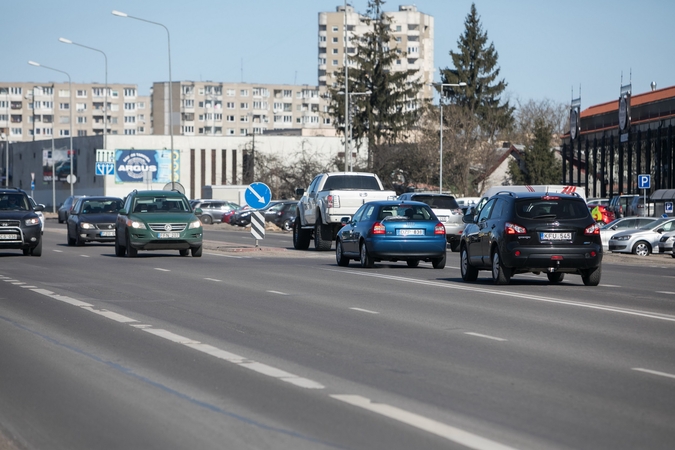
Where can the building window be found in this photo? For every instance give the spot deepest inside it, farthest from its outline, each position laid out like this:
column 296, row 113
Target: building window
column 81, row 119
column 335, row 51
column 335, row 29
column 243, row 93
column 288, row 93
column 188, row 129
column 230, row 131
column 231, row 93
column 129, row 106
column 81, row 132
column 335, row 62
column 243, row 119
column 188, row 90
column 230, row 105
column 243, row 105
column 129, row 119
column 335, row 40
column 140, row 105
column 64, row 93
column 80, row 107
column 129, row 132
column 64, row 106
column 230, row 118
column 81, row 93
column 65, row 133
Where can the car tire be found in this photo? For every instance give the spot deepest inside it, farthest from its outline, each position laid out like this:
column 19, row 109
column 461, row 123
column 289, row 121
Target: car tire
column 206, row 219
column 469, row 272
column 439, row 263
column 642, row 248
column 287, row 225
column 301, row 237
column 341, row 259
column 413, row 263
column 131, row 252
column 500, row 274
column 184, row 252
column 454, row 246
column 591, row 277
column 120, row 250
column 197, row 251
column 37, row 250
column 322, row 236
column 555, row 277
column 366, row 261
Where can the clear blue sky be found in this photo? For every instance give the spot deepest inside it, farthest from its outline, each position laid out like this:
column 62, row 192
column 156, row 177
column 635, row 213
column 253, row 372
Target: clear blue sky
column 546, row 48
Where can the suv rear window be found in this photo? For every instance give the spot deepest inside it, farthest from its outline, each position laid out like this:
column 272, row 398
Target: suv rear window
column 552, row 208
column 437, row 201
column 338, row 182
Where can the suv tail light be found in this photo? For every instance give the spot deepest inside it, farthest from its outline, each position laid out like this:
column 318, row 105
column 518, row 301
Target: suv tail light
column 378, row 228
column 592, row 229
column 512, row 228
column 439, row 229
column 333, row 201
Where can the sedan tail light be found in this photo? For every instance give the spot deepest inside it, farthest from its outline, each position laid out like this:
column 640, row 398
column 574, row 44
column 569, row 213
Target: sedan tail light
column 439, row 229
column 378, row 228
column 592, row 229
column 512, row 228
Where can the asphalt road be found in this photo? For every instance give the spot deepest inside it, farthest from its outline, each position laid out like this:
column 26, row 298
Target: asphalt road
column 268, row 347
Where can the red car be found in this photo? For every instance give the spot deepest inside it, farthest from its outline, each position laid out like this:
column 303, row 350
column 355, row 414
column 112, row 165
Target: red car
column 601, row 214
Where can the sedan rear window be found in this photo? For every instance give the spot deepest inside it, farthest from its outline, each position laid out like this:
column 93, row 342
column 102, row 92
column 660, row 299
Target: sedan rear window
column 437, row 201
column 406, row 212
column 551, row 208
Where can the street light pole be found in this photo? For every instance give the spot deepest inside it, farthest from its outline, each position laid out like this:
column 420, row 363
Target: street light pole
column 346, row 61
column 440, row 106
column 6, row 138
column 70, row 109
column 168, row 36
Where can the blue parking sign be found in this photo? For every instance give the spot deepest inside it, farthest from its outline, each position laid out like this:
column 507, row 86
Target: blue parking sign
column 644, row 181
column 669, row 208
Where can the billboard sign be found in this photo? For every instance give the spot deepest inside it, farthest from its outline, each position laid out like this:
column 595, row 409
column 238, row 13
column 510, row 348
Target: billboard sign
column 139, row 166
column 59, row 161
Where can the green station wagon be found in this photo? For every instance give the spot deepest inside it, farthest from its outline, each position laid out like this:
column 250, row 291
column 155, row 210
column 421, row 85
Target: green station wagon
column 158, row 220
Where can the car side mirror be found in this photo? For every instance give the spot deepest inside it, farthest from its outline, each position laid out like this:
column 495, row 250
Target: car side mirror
column 123, row 212
column 344, row 220
column 39, row 207
column 660, row 230
column 198, row 211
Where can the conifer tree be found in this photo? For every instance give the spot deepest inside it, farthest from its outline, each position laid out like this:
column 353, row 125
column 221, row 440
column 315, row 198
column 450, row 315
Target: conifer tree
column 539, row 164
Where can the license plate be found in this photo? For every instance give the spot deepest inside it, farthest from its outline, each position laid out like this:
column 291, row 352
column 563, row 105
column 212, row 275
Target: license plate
column 407, row 232
column 443, row 218
column 7, row 236
column 555, row 236
column 168, row 235
column 107, row 233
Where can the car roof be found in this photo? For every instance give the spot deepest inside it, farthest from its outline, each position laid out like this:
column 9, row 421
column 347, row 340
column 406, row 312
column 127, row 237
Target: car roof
column 536, row 195
column 159, row 193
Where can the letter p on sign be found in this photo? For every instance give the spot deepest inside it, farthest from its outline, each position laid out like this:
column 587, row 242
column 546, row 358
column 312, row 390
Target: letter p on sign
column 644, row 181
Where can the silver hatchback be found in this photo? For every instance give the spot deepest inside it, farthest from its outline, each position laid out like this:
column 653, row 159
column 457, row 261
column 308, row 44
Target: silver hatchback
column 641, row 241
column 447, row 211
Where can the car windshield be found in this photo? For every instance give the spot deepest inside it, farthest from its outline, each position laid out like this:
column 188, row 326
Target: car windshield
column 610, row 224
column 345, row 182
column 101, row 206
column 405, row 212
column 551, row 208
column 14, row 202
column 437, row 201
column 160, row 204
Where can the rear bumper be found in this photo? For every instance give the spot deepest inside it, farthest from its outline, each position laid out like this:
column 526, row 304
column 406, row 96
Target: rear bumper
column 407, row 249
column 568, row 259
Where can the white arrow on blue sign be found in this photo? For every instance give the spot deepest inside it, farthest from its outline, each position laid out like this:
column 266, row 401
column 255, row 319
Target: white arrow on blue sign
column 258, row 195
column 103, row 168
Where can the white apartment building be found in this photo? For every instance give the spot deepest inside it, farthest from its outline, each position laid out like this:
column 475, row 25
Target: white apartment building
column 412, row 33
column 32, row 111
column 207, row 108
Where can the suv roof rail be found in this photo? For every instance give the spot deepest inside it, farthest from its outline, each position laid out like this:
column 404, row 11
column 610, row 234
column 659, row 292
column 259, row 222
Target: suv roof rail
column 511, row 193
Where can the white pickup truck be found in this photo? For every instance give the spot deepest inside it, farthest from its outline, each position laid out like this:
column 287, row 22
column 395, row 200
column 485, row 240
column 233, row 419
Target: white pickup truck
column 329, row 198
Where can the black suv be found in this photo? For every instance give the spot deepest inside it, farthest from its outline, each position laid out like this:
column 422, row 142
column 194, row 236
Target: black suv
column 532, row 232
column 20, row 226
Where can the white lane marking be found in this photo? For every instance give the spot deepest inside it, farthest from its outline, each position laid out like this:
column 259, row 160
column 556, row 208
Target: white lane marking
column 665, row 292
column 212, row 279
column 365, row 310
column 18, row 283
column 173, row 337
column 448, row 432
column 277, row 292
column 655, row 372
column 111, row 315
column 29, row 287
column 162, row 270
column 58, row 251
column 10, row 280
column 227, row 256
column 609, row 285
column 485, row 336
column 519, row 295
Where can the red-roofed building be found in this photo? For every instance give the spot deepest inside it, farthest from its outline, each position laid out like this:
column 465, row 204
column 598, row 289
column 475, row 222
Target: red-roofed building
column 607, row 160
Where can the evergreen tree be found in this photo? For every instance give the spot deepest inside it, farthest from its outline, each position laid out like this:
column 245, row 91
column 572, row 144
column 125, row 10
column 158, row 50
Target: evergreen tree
column 385, row 115
column 539, row 164
column 476, row 65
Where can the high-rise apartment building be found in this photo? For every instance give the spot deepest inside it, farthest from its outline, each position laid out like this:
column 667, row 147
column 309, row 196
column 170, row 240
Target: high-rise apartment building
column 412, row 33
column 36, row 111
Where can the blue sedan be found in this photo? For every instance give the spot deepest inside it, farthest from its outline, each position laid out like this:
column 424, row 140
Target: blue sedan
column 392, row 231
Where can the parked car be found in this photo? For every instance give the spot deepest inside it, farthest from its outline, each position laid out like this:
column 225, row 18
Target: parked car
column 213, row 210
column 597, row 201
column 20, row 226
column 282, row 214
column 601, row 213
column 619, row 204
column 643, row 240
column 465, row 202
column 446, row 209
column 158, row 220
column 38, row 212
column 242, row 217
column 392, row 231
column 92, row 219
column 636, row 207
column 666, row 243
column 519, row 232
column 227, row 217
column 618, row 225
column 64, row 209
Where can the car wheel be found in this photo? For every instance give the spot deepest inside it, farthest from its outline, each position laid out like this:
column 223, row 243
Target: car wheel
column 37, row 250
column 413, row 263
column 469, row 272
column 591, row 277
column 119, row 249
column 287, row 226
column 197, row 251
column 322, row 236
column 301, row 237
column 500, row 274
column 206, row 219
column 555, row 277
column 642, row 248
column 184, row 252
column 439, row 263
column 364, row 256
column 341, row 259
column 131, row 252
column 454, row 246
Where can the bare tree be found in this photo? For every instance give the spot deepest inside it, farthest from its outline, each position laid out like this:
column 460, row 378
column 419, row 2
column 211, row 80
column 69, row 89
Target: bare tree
column 553, row 114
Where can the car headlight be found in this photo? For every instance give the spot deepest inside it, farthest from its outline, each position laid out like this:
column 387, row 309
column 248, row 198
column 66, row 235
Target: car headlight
column 87, row 226
column 621, row 238
column 196, row 224
column 32, row 221
column 136, row 224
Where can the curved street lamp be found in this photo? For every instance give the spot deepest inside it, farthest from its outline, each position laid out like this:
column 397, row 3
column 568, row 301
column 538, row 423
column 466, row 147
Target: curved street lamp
column 168, row 36
column 70, row 109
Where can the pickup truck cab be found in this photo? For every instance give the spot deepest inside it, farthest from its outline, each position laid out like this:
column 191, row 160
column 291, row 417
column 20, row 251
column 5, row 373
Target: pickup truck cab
column 330, row 197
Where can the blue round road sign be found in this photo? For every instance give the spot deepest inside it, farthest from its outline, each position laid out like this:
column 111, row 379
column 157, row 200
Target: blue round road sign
column 258, row 195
